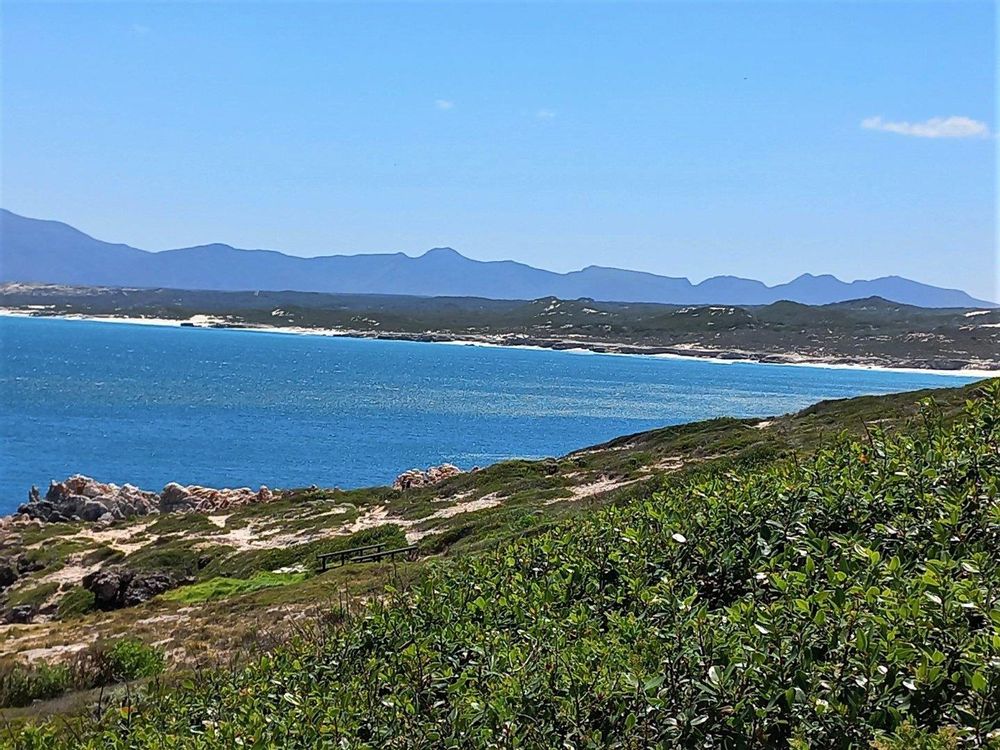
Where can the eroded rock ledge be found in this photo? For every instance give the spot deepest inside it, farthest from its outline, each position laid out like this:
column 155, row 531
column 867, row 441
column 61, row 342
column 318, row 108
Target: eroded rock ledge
column 420, row 478
column 81, row 498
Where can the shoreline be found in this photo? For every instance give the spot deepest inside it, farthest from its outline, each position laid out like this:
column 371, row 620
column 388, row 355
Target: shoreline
column 568, row 346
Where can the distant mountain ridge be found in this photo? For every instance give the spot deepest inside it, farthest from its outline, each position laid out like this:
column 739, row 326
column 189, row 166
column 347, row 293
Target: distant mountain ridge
column 35, row 250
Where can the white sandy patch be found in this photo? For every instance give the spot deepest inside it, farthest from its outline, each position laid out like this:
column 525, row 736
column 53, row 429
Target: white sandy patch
column 118, row 539
column 201, row 320
column 486, row 501
column 69, row 574
column 601, row 485
column 250, row 537
column 50, row 654
column 454, row 498
column 166, row 617
column 380, row 516
column 291, row 569
column 671, row 463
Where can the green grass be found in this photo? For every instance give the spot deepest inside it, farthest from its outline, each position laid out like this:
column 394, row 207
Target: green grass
column 33, row 596
column 221, row 588
column 181, row 523
column 52, row 552
column 76, row 602
column 103, row 554
column 20, row 685
column 836, row 600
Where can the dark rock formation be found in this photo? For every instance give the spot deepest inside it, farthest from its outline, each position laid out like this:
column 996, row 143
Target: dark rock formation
column 114, row 588
column 26, row 565
column 20, row 615
column 8, row 574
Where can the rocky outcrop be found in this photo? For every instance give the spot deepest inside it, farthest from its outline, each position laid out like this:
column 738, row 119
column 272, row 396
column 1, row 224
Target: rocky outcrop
column 19, row 615
column 81, row 498
column 205, row 499
column 8, row 575
column 418, row 478
column 114, row 588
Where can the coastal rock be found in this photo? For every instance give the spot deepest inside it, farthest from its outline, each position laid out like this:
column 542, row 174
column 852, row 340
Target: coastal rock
column 81, row 498
column 176, row 498
column 91, row 510
column 27, row 565
column 418, row 478
column 20, row 615
column 8, row 575
column 115, row 588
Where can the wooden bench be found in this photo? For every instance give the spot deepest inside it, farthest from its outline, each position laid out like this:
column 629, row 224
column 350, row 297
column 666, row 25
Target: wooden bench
column 390, row 553
column 344, row 555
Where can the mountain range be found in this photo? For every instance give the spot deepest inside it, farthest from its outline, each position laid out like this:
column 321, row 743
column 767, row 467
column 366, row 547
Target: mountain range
column 35, row 250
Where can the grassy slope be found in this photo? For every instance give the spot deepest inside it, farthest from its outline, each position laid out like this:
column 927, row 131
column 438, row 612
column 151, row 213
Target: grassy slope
column 750, row 601
column 873, row 331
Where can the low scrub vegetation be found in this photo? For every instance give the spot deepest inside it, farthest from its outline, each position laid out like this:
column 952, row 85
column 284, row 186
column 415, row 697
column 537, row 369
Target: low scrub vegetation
column 847, row 600
column 104, row 663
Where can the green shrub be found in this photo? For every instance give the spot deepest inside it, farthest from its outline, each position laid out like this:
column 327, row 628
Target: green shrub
column 104, row 663
column 832, row 602
column 32, row 596
column 167, row 554
column 126, row 659
column 909, row 737
column 21, row 685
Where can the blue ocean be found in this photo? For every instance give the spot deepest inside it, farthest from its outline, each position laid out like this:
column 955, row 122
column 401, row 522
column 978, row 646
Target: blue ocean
column 149, row 405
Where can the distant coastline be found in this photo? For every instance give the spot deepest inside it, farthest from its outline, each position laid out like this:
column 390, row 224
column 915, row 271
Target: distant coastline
column 526, row 342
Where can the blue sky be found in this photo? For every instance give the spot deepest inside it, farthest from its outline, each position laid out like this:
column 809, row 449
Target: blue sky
column 757, row 139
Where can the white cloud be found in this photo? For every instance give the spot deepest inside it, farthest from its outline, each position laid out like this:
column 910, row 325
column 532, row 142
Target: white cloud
column 139, row 30
column 444, row 104
column 936, row 127
column 545, row 114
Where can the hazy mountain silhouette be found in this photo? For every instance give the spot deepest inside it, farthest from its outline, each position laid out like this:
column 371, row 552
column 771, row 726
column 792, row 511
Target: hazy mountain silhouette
column 33, row 250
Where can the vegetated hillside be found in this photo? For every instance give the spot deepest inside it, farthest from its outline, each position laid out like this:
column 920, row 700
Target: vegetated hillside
column 241, row 579
column 838, row 600
column 868, row 331
column 49, row 251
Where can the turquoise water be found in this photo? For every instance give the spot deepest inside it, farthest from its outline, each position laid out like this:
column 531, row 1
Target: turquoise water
column 149, row 405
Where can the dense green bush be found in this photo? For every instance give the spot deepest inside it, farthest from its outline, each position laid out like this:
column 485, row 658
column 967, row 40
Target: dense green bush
column 21, row 685
column 104, row 663
column 126, row 659
column 834, row 602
